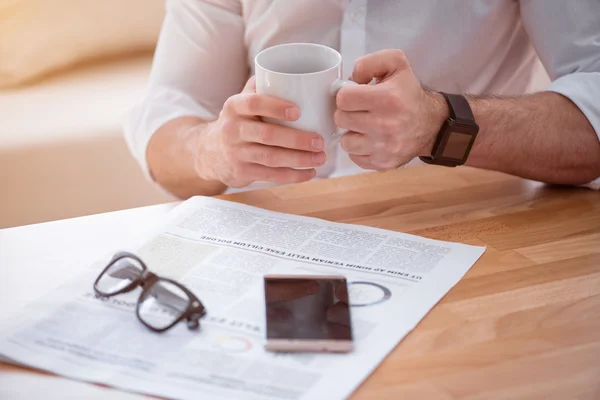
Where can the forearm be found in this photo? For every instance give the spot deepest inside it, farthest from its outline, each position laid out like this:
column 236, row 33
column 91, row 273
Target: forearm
column 172, row 154
column 543, row 136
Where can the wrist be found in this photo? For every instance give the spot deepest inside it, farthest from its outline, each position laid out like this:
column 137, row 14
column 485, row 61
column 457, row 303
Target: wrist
column 172, row 155
column 436, row 112
column 198, row 143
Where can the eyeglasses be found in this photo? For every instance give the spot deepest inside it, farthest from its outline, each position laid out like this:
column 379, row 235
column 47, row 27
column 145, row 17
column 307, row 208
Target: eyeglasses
column 162, row 303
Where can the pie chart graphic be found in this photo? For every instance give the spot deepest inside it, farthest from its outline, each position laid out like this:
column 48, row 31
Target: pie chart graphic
column 233, row 344
column 365, row 294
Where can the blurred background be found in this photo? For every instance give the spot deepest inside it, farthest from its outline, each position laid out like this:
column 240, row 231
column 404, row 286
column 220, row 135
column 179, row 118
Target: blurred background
column 69, row 69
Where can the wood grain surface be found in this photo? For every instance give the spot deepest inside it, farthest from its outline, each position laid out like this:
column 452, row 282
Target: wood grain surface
column 524, row 323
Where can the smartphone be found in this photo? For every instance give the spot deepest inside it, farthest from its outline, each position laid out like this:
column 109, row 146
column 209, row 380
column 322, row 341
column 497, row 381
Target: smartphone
column 307, row 313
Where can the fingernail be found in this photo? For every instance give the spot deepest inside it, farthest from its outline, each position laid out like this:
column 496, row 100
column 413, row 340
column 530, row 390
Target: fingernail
column 292, row 113
column 318, row 158
column 318, row 144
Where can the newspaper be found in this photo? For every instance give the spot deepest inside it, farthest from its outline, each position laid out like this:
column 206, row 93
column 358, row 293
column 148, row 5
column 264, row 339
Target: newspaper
column 221, row 251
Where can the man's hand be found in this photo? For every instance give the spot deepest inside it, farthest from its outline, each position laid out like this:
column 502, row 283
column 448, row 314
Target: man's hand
column 391, row 122
column 238, row 148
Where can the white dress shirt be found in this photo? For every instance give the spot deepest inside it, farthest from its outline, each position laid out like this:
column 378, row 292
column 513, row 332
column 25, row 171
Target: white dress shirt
column 206, row 51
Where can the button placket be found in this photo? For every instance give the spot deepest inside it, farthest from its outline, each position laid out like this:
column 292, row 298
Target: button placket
column 352, row 43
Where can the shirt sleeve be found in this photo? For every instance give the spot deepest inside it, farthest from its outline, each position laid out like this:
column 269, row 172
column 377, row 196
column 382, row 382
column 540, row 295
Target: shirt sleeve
column 199, row 62
column 566, row 37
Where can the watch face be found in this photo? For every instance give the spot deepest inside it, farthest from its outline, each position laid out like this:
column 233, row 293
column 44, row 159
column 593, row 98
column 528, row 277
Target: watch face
column 456, row 146
column 453, row 144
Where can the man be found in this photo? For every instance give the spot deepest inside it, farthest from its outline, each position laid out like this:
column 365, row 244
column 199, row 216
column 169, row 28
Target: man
column 198, row 130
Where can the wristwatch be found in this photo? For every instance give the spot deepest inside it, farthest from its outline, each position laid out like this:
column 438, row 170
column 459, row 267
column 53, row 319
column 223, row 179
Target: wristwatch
column 456, row 137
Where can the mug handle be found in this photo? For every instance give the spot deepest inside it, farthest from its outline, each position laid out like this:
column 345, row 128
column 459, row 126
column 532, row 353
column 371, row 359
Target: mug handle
column 335, row 88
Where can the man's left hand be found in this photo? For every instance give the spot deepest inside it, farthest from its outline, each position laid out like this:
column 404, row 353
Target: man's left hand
column 392, row 121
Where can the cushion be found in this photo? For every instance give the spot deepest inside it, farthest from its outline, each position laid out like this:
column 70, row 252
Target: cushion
column 62, row 150
column 42, row 36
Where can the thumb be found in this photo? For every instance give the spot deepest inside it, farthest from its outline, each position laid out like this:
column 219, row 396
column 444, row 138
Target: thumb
column 380, row 65
column 250, row 85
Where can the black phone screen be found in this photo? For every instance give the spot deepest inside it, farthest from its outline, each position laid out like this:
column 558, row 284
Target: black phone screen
column 307, row 308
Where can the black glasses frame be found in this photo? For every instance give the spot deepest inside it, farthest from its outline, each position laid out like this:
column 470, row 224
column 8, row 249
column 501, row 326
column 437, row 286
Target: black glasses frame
column 195, row 309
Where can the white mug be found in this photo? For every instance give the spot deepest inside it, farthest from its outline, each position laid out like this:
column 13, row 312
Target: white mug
column 308, row 75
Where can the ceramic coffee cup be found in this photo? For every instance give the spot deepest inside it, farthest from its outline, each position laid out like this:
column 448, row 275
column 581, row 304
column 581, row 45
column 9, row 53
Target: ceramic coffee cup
column 308, row 75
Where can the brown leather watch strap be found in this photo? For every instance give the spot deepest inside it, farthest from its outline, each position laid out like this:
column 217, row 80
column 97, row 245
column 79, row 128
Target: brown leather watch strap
column 460, row 110
column 461, row 124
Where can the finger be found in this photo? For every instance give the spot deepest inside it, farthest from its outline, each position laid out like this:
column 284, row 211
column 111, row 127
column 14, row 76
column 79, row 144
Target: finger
column 356, row 143
column 377, row 162
column 250, row 86
column 357, row 121
column 290, row 290
column 271, row 156
column 360, row 98
column 362, row 161
column 260, row 105
column 378, row 65
column 281, row 136
column 260, row 173
column 339, row 313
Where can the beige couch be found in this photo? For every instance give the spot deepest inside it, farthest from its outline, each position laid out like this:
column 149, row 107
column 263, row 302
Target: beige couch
column 62, row 152
column 68, row 72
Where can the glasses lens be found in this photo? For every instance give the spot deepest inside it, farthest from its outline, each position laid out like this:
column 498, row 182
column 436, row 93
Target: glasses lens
column 119, row 275
column 162, row 304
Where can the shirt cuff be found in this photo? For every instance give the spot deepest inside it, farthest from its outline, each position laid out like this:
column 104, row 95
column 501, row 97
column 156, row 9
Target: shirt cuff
column 581, row 88
column 161, row 105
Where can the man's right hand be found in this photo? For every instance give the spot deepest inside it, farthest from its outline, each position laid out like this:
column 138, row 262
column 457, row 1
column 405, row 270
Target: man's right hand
column 238, row 148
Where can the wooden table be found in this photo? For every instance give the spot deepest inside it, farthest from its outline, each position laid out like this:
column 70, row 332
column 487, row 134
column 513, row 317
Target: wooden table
column 524, row 323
